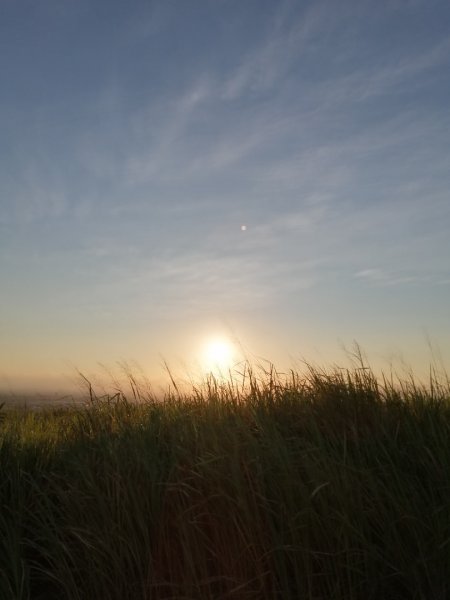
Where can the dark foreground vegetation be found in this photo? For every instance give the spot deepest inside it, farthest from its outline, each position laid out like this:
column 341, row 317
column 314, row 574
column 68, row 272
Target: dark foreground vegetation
column 325, row 486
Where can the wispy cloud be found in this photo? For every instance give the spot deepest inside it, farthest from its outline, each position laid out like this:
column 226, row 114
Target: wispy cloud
column 321, row 126
column 380, row 277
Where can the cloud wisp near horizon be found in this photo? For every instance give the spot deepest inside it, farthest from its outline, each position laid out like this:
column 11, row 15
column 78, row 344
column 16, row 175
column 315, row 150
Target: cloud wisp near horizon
column 138, row 139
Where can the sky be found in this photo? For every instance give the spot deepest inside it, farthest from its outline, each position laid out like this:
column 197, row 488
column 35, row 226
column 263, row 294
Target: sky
column 274, row 173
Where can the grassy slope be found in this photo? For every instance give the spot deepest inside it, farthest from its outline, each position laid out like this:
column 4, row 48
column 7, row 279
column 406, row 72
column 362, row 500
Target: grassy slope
column 329, row 486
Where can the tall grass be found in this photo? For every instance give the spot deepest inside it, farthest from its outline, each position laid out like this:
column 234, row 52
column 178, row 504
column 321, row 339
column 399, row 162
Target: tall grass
column 325, row 485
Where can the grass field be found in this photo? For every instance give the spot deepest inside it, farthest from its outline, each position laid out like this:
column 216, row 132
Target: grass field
column 325, row 485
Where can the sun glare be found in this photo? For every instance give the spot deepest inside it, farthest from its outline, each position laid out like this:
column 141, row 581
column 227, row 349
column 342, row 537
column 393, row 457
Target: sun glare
column 218, row 355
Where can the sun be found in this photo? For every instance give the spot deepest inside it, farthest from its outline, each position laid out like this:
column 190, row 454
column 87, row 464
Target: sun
column 218, row 355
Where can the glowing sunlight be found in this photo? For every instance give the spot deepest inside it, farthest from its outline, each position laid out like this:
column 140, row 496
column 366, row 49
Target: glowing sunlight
column 218, row 355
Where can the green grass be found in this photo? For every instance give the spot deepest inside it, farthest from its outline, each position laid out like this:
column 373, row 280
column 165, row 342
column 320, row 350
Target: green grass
column 319, row 486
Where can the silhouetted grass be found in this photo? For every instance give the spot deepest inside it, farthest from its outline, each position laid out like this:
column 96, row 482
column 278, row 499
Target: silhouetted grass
column 329, row 485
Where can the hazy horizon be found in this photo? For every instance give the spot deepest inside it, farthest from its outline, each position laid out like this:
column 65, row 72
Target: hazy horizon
column 274, row 174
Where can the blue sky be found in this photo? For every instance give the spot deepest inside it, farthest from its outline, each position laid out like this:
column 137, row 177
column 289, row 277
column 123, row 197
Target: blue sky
column 138, row 137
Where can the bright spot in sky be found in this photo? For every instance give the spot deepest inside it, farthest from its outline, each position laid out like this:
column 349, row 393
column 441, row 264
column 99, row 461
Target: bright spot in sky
column 243, row 227
column 218, row 355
